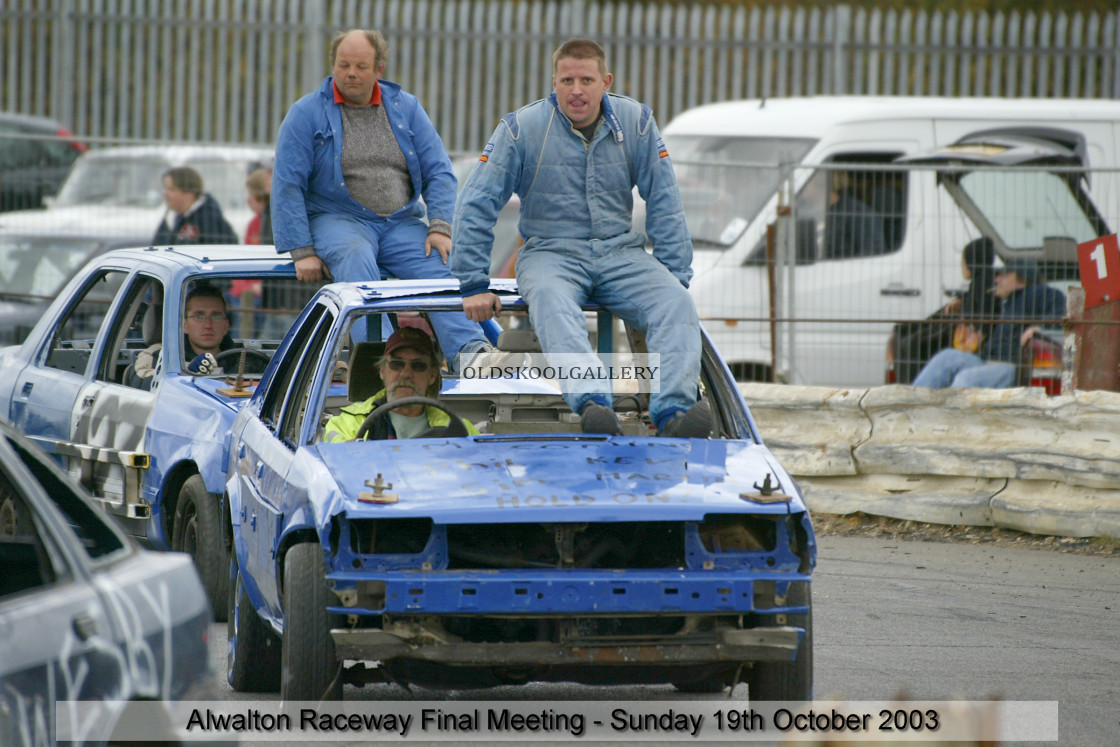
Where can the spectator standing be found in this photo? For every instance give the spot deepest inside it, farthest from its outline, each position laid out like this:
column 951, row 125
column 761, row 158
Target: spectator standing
column 1025, row 297
column 259, row 185
column 353, row 160
column 192, row 216
column 574, row 160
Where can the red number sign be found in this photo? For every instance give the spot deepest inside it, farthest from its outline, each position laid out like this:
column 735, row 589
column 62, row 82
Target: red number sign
column 1099, row 261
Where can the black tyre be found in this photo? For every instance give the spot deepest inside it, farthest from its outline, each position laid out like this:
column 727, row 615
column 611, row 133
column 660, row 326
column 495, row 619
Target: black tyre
column 788, row 680
column 311, row 670
column 707, row 686
column 253, row 661
column 198, row 531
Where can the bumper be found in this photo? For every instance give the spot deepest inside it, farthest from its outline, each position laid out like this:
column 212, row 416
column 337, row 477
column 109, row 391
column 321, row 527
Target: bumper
column 725, row 645
column 587, row 592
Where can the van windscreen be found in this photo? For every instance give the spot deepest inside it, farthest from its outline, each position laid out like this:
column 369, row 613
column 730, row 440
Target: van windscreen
column 725, row 181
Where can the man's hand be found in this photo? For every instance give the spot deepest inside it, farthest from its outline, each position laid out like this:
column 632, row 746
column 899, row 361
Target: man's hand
column 1028, row 333
column 311, row 269
column 482, row 306
column 442, row 244
column 202, row 364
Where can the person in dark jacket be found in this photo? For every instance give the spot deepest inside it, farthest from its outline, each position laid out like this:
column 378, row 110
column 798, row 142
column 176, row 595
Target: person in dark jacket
column 1025, row 297
column 192, row 217
column 852, row 227
column 916, row 342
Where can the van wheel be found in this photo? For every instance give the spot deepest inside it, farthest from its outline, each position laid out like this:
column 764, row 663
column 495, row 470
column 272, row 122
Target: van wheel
column 253, row 661
column 198, row 532
column 311, row 669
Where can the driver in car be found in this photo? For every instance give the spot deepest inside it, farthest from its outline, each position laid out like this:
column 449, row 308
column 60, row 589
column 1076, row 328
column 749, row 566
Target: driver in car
column 409, row 367
column 205, row 333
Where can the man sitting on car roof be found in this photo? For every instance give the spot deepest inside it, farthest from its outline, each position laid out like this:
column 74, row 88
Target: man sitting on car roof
column 409, row 367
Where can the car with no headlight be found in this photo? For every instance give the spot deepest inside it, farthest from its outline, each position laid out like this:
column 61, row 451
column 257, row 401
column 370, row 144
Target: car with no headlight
column 528, row 551
column 151, row 448
column 88, row 620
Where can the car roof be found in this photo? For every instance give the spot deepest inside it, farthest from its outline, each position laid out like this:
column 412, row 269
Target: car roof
column 812, row 116
column 430, row 291
column 181, row 154
column 32, row 121
column 200, row 256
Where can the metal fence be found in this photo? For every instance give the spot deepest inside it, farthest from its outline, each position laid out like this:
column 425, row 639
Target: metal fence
column 227, row 70
column 840, row 258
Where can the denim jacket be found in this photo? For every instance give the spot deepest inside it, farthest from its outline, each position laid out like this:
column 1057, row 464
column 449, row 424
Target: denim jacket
column 572, row 191
column 307, row 175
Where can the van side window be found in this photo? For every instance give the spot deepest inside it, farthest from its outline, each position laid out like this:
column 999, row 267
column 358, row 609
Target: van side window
column 864, row 214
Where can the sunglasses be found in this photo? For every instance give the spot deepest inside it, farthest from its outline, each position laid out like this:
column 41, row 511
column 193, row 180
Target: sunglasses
column 418, row 365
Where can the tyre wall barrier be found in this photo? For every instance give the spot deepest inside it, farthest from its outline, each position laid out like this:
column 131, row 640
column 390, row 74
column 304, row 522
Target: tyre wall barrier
column 1010, row 458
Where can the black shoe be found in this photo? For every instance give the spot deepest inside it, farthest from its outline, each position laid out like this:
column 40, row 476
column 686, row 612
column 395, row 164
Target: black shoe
column 598, row 418
column 695, row 423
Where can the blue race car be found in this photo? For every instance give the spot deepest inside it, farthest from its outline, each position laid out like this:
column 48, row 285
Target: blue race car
column 504, row 545
column 102, row 383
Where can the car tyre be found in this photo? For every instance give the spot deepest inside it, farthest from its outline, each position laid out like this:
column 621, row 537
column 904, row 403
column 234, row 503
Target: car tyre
column 198, row 532
column 706, row 686
column 311, row 670
column 788, row 680
column 253, row 661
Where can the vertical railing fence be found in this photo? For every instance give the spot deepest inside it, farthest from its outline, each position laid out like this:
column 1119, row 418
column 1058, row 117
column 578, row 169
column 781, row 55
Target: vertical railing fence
column 227, row 70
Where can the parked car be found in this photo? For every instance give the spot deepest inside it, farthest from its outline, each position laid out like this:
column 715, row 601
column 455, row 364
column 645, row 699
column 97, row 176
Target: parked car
column 118, row 191
column 113, row 198
column 530, row 552
column 85, row 614
column 35, row 155
column 151, row 451
column 36, row 267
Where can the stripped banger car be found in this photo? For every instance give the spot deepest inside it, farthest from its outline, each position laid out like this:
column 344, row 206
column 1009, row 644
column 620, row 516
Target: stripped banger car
column 151, row 450
column 528, row 552
column 86, row 617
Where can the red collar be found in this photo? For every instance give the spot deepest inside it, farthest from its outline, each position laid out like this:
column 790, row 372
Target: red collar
column 374, row 100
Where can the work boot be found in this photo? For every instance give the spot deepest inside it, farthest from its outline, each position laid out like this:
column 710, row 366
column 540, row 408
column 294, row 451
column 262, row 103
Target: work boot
column 695, row 423
column 597, row 418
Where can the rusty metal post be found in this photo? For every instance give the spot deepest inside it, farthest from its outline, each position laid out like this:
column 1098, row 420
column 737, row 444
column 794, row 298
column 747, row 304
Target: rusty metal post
column 1091, row 352
column 771, row 269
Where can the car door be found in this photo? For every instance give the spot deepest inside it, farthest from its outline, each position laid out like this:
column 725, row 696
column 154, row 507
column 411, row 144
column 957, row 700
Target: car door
column 111, row 419
column 56, row 637
column 47, row 392
column 266, row 448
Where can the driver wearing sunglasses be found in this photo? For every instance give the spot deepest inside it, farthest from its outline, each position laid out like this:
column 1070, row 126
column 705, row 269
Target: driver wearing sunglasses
column 409, row 367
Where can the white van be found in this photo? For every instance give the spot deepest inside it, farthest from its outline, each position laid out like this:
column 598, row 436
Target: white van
column 842, row 278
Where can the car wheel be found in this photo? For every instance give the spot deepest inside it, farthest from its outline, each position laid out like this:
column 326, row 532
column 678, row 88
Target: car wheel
column 198, row 532
column 787, row 680
column 253, row 661
column 311, row 670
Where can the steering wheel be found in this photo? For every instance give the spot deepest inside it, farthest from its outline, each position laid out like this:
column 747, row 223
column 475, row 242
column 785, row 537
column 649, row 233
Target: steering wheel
column 454, row 429
column 256, row 361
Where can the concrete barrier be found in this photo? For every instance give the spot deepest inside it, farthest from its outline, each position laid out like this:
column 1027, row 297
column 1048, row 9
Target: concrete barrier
column 1011, row 458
